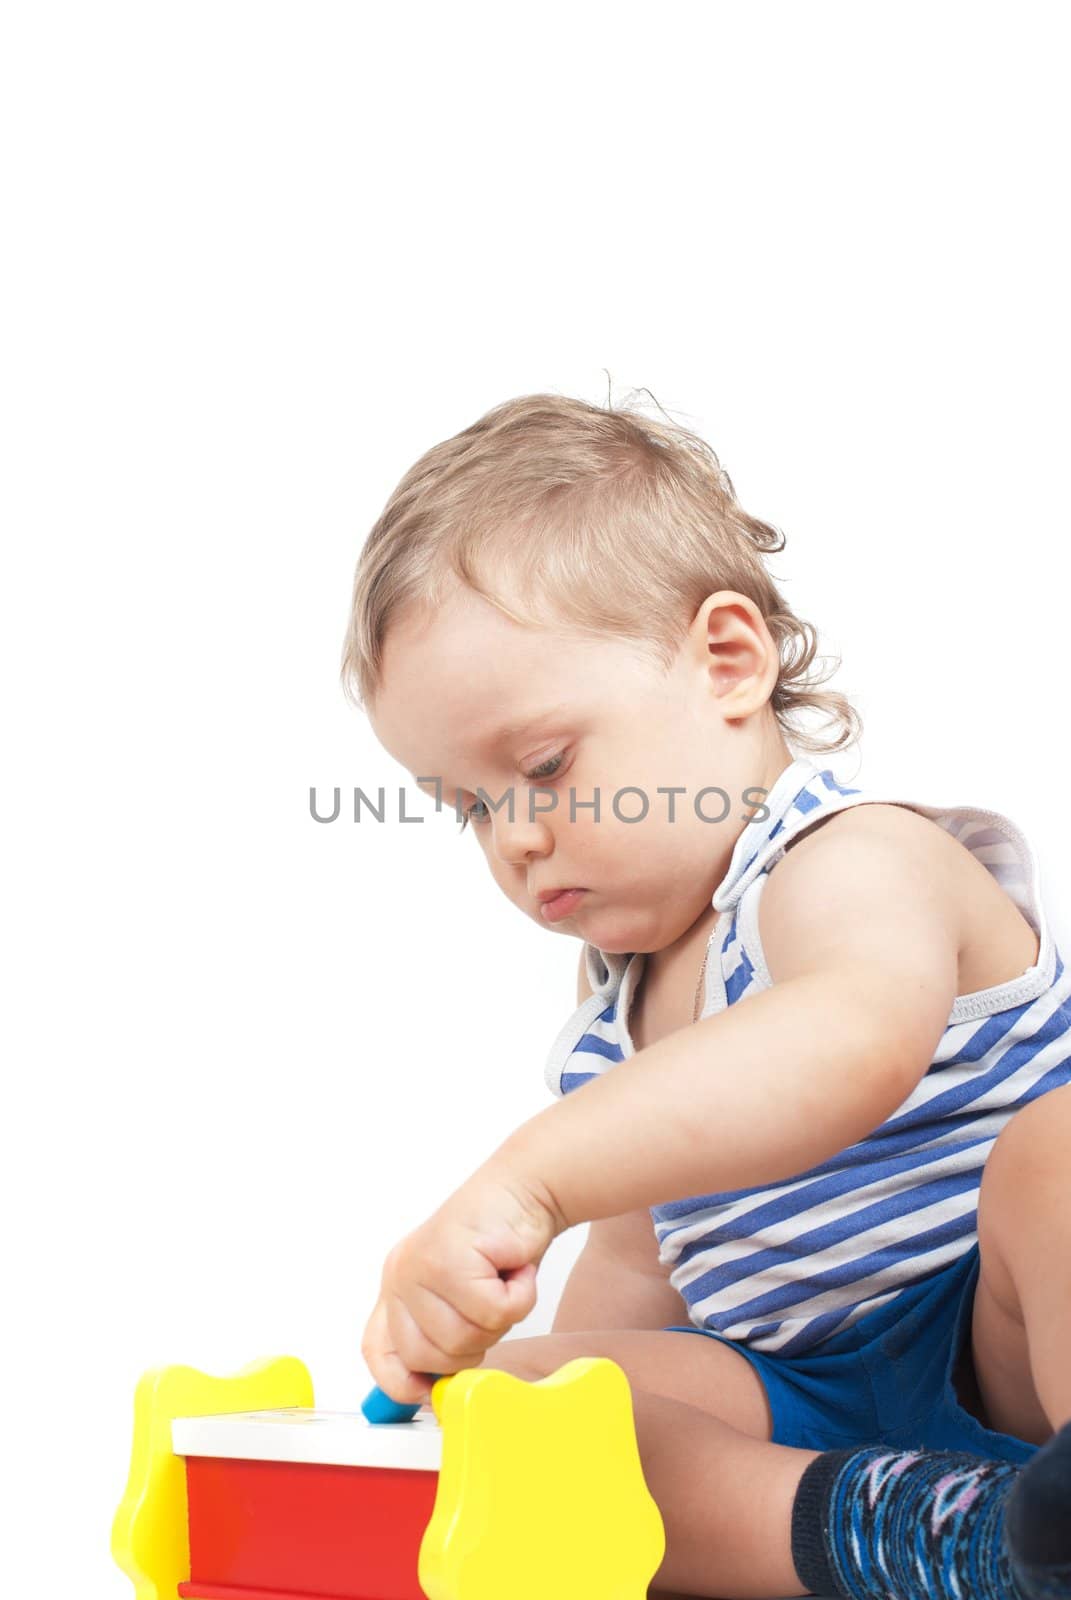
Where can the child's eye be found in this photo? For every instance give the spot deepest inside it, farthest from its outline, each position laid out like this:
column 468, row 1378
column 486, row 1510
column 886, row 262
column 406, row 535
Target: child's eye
column 550, row 762
column 467, row 816
column 540, row 773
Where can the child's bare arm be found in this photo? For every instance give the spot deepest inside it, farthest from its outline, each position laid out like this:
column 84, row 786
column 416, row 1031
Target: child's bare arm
column 861, row 934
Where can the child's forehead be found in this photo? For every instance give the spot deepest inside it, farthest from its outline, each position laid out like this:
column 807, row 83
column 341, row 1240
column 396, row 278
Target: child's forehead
column 439, row 709
column 464, row 625
column 468, row 663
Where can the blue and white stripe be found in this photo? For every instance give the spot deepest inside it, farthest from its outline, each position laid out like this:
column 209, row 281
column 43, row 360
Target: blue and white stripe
column 782, row 1266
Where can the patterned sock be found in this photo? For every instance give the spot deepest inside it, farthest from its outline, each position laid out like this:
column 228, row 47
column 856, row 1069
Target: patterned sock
column 1038, row 1521
column 919, row 1525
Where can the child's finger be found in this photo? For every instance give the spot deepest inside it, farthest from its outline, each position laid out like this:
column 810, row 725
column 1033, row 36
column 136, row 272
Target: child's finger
column 497, row 1302
column 479, row 1300
column 443, row 1326
column 421, row 1353
column 518, row 1293
column 386, row 1365
column 397, row 1380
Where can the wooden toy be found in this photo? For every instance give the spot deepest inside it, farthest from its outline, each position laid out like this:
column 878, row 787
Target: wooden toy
column 239, row 1489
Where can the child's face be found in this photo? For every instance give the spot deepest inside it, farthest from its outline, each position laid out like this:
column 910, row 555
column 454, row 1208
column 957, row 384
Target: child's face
column 591, row 716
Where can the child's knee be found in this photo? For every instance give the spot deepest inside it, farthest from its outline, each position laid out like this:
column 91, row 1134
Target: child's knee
column 533, row 1358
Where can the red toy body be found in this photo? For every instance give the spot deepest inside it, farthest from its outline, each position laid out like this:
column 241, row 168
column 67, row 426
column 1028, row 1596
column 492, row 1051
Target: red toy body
column 281, row 1530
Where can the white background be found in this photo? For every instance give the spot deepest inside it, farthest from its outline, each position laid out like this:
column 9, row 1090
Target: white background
column 260, row 257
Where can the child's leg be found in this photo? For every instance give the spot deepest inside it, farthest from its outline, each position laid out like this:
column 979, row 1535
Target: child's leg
column 726, row 1502
column 1022, row 1317
column 753, row 1520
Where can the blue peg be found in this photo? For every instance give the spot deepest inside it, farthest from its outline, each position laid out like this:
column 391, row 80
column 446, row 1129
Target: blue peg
column 379, row 1407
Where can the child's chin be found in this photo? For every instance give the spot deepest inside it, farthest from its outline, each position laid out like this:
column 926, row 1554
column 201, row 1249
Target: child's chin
column 607, row 940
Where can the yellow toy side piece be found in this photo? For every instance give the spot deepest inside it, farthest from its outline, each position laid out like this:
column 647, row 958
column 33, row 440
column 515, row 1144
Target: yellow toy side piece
column 541, row 1489
column 150, row 1533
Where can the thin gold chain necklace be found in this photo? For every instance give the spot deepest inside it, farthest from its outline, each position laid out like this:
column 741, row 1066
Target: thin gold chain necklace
column 703, row 973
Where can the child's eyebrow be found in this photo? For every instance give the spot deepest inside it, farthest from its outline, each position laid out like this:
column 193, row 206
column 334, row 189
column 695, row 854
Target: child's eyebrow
column 513, row 730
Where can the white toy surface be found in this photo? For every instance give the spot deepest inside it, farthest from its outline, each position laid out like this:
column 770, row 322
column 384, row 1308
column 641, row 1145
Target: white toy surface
column 298, row 1433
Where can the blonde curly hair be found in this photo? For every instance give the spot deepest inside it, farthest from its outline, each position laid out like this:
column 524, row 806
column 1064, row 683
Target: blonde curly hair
column 606, row 521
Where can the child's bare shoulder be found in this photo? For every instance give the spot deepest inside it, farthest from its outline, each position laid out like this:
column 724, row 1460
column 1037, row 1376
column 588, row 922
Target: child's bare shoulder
column 863, row 859
column 879, row 831
column 876, row 831
column 882, row 822
column 879, row 838
column 881, row 865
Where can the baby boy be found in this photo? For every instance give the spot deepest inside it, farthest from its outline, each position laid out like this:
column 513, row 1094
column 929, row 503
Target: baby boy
column 563, row 626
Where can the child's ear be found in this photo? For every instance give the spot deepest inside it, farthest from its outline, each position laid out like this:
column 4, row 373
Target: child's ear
column 737, row 652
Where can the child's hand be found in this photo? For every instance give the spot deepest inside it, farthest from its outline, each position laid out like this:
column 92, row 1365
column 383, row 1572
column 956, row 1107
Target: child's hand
column 455, row 1285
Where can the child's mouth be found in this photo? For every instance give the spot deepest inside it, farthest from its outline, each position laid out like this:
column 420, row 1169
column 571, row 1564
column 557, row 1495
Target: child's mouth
column 561, row 905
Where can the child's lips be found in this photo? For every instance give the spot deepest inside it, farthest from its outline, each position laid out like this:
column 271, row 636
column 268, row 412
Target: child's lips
column 560, row 905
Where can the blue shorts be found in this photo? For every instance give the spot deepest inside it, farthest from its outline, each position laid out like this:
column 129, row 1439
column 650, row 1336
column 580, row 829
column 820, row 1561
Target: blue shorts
column 887, row 1379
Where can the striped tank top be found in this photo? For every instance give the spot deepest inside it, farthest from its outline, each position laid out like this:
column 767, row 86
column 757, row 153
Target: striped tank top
column 782, row 1266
